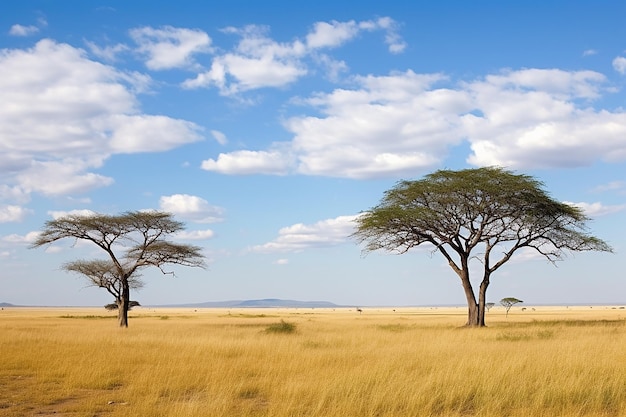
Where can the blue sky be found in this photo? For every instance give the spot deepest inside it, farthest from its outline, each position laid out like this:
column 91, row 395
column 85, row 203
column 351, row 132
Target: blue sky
column 268, row 126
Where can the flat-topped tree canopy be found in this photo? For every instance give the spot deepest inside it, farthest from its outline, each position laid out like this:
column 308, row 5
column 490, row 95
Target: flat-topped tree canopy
column 465, row 214
column 133, row 240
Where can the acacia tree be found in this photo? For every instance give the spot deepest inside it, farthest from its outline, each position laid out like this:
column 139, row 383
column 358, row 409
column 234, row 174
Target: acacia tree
column 132, row 240
column 509, row 302
column 469, row 214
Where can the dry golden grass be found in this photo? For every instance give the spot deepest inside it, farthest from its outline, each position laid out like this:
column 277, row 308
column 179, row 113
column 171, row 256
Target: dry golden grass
column 407, row 362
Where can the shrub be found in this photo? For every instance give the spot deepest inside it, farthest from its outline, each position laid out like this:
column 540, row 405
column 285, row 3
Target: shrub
column 282, row 327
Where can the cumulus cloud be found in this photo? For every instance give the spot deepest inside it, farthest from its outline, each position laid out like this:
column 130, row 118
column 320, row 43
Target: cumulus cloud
column 192, row 208
column 58, row 214
column 195, row 235
column 12, row 213
column 325, row 233
column 61, row 177
column 619, row 64
column 404, row 124
column 331, row 35
column 169, row 47
column 542, row 118
column 15, row 194
column 20, row 30
column 63, row 115
column 597, row 209
column 392, row 37
column 392, row 126
column 245, row 162
column 259, row 61
column 26, row 239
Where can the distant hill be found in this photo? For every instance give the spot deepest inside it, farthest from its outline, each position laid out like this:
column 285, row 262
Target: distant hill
column 264, row 303
column 7, row 305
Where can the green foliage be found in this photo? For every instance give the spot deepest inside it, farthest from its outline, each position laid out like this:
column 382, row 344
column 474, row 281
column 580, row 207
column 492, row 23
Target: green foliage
column 488, row 211
column 114, row 306
column 132, row 241
column 281, row 327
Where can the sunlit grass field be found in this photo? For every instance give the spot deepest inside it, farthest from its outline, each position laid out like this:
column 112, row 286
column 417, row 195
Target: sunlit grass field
column 313, row 362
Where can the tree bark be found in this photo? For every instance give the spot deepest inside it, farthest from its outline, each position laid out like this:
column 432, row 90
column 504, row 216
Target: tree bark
column 482, row 300
column 124, row 304
column 472, row 306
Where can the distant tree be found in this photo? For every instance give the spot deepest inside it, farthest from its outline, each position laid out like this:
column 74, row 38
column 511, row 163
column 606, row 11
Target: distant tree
column 509, row 302
column 489, row 305
column 132, row 240
column 467, row 214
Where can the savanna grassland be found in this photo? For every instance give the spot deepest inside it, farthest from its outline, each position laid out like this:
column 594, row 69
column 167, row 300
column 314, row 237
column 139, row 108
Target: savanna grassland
column 312, row 362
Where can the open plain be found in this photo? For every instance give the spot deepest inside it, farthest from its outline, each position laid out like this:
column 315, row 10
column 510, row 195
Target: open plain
column 544, row 361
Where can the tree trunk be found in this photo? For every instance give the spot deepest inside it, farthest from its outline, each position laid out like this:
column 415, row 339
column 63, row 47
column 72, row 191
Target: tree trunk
column 472, row 315
column 482, row 300
column 472, row 307
column 123, row 305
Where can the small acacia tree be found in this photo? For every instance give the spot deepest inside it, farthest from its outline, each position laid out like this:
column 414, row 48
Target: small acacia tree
column 509, row 302
column 132, row 240
column 468, row 214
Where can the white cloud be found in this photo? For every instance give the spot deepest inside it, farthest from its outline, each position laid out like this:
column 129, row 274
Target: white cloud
column 62, row 177
column 169, row 47
column 249, row 162
column 259, row 61
column 619, row 64
column 58, row 214
column 15, row 194
column 27, row 239
column 332, row 67
column 248, row 73
column 597, row 209
column 331, row 35
column 542, row 118
column 281, row 261
column 403, row 124
column 20, row 30
column 108, row 53
column 590, row 52
column 63, row 115
column 393, row 126
column 148, row 133
column 219, row 137
column 195, row 235
column 325, row 233
column 13, row 213
column 192, row 208
column 392, row 37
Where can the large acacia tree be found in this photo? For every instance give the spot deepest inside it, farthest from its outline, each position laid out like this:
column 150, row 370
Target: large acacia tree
column 485, row 213
column 132, row 240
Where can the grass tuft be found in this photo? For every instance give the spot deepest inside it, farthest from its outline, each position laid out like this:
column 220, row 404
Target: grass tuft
column 394, row 327
column 281, row 327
